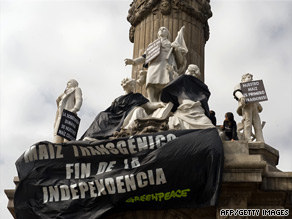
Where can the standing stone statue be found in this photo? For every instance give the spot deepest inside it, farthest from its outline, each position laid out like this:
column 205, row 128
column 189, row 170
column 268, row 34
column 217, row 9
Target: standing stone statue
column 173, row 54
column 70, row 100
column 249, row 112
column 147, row 16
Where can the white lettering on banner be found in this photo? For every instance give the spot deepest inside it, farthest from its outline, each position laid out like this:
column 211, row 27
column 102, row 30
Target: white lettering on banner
column 130, row 146
column 105, row 167
column 134, row 163
column 107, row 186
column 81, row 170
column 43, row 152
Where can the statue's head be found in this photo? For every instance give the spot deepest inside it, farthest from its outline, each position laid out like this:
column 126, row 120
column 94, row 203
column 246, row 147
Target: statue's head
column 72, row 83
column 246, row 77
column 193, row 70
column 128, row 85
column 163, row 32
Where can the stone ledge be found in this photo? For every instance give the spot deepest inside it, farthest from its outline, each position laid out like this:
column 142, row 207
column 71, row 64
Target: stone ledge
column 235, row 147
column 10, row 195
column 270, row 154
column 277, row 181
column 244, row 162
column 243, row 175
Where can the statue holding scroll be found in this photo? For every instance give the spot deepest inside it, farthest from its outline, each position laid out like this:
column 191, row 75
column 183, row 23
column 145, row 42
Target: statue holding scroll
column 158, row 55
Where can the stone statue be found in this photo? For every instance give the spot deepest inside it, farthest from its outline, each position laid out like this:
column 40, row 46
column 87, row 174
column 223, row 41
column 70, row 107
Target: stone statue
column 190, row 98
column 110, row 121
column 142, row 112
column 173, row 54
column 249, row 112
column 70, row 100
column 193, row 70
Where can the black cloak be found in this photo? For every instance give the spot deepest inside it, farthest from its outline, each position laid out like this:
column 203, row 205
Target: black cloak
column 111, row 120
column 188, row 85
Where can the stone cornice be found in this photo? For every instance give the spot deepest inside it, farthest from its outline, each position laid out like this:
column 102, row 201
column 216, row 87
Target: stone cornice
column 140, row 9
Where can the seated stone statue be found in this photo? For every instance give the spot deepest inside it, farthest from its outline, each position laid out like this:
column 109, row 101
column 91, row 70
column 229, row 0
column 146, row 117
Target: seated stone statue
column 190, row 98
column 141, row 112
column 111, row 120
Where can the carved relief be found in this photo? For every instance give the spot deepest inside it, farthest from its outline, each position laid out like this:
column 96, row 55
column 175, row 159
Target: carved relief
column 131, row 34
column 165, row 7
column 144, row 126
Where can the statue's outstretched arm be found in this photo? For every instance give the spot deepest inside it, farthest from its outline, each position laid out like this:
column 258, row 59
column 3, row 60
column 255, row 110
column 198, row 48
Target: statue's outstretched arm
column 136, row 61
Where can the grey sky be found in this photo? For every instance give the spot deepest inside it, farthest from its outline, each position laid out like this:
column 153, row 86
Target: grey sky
column 43, row 44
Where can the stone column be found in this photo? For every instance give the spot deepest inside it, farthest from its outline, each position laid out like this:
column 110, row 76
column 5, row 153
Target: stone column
column 147, row 16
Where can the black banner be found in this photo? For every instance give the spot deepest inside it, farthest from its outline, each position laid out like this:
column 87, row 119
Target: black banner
column 69, row 125
column 173, row 169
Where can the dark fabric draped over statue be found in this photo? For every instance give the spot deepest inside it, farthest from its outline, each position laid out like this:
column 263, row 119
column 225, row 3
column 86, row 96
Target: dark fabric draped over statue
column 189, row 86
column 111, row 120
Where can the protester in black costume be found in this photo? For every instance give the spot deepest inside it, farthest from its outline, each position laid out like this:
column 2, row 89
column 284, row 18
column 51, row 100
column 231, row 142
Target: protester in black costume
column 229, row 127
column 111, row 120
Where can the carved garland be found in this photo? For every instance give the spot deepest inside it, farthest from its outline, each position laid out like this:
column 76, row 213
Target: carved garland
column 139, row 9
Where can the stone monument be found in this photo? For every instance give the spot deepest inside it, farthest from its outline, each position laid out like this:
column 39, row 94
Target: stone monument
column 147, row 16
column 247, row 183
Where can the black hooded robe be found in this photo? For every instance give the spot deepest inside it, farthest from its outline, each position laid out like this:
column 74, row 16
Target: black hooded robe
column 111, row 120
column 188, row 85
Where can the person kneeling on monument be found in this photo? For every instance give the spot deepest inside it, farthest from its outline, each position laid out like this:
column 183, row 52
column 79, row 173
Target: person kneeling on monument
column 190, row 98
column 229, row 128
